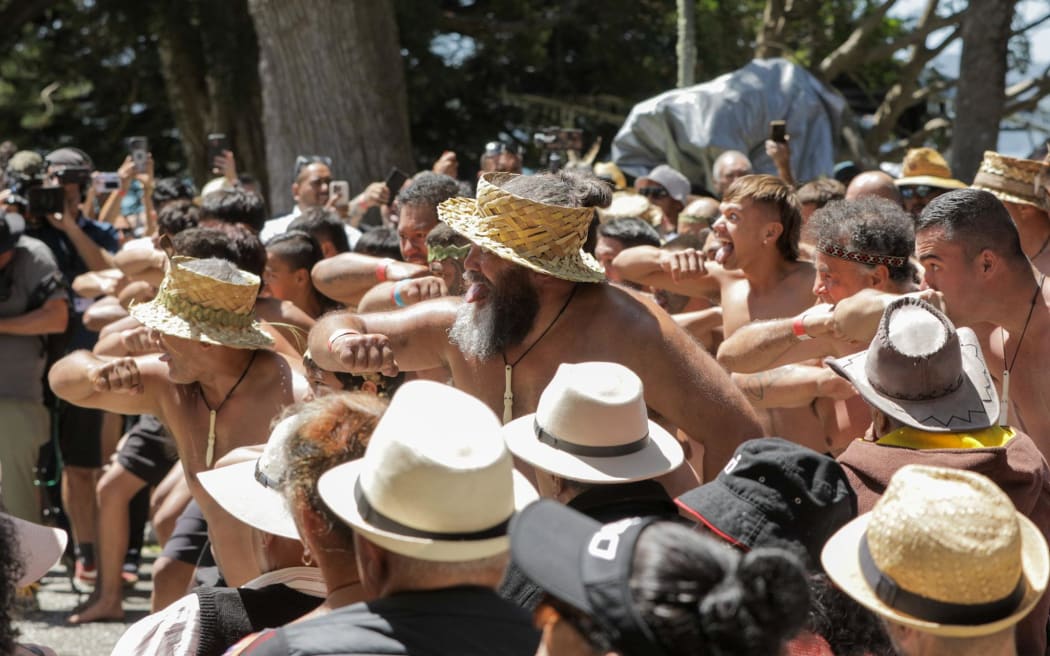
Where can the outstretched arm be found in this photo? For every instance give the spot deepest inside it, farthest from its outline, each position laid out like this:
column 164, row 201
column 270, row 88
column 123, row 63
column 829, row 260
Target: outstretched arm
column 127, row 386
column 683, row 272
column 793, row 386
column 766, row 344
column 410, row 339
column 347, row 276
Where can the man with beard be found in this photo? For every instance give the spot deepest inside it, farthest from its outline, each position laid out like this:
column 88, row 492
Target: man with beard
column 534, row 302
column 756, row 272
column 215, row 386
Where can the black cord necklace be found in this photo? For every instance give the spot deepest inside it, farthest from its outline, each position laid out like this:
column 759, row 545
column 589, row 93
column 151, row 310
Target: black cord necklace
column 209, row 455
column 1004, row 413
column 508, row 393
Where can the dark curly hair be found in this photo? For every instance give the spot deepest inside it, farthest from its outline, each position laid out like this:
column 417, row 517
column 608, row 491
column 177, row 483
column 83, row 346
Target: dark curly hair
column 699, row 596
column 10, row 572
column 867, row 225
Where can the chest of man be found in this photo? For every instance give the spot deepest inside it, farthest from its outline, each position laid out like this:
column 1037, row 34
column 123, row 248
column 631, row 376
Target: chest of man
column 741, row 304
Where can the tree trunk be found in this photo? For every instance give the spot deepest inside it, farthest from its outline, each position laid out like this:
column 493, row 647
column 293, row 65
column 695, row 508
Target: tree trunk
column 982, row 84
column 686, row 43
column 333, row 84
column 209, row 62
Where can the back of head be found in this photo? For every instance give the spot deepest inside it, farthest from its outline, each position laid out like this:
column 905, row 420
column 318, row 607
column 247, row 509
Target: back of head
column 381, row 242
column 874, row 183
column 235, row 206
column 872, row 226
column 567, row 188
column 227, row 241
column 774, row 192
column 166, row 190
column 323, row 225
column 296, row 249
column 177, row 215
column 821, row 191
column 442, row 235
column 697, row 596
column 630, row 232
column 976, row 220
column 428, row 190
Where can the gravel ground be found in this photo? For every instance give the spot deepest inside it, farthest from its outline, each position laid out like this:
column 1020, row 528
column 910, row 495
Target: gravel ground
column 57, row 599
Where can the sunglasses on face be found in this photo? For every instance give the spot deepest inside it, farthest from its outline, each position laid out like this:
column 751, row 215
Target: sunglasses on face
column 654, row 192
column 494, row 148
column 918, row 191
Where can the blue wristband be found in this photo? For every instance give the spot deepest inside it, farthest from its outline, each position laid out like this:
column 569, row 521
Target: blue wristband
column 400, row 302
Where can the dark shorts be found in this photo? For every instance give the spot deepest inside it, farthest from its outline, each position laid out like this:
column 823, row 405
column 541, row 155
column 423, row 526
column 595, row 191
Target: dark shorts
column 80, row 436
column 189, row 541
column 148, row 451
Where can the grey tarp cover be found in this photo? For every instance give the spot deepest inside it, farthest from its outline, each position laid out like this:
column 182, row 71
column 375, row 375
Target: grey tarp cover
column 688, row 128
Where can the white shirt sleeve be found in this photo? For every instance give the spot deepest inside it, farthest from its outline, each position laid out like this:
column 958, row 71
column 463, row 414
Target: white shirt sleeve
column 174, row 631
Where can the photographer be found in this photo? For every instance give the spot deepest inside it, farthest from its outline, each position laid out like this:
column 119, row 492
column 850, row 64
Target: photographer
column 33, row 302
column 79, row 245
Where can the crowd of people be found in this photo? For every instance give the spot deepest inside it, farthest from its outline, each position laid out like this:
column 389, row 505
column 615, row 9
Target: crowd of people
column 533, row 413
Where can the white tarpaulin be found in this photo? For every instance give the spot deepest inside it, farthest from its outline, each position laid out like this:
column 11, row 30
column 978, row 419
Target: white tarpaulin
column 688, row 128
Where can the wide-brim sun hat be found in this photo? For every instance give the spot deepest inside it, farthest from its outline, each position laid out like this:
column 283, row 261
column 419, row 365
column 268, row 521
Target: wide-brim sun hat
column 943, row 552
column 206, row 300
column 41, row 547
column 925, row 166
column 545, row 238
column 591, row 426
column 436, row 481
column 250, row 491
column 923, row 372
column 1009, row 179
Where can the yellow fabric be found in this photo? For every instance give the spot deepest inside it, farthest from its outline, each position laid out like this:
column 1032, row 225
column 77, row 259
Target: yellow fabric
column 913, row 438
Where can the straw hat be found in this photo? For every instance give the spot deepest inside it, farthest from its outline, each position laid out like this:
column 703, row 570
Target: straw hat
column 943, row 551
column 591, row 425
column 436, row 481
column 208, row 301
column 545, row 238
column 1009, row 178
column 627, row 204
column 250, row 490
column 925, row 166
column 923, row 372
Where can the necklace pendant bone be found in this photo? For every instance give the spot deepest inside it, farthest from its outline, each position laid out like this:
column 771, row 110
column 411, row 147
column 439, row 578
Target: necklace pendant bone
column 1004, row 407
column 209, row 455
column 508, row 395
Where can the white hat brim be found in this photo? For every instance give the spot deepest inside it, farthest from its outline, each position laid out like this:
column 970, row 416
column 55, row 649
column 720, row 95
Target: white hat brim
column 235, row 489
column 841, row 560
column 337, row 490
column 662, row 455
column 41, row 547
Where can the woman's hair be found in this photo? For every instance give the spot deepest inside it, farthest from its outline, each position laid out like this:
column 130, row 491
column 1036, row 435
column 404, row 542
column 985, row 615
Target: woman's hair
column 333, row 429
column 849, row 628
column 10, row 572
column 698, row 596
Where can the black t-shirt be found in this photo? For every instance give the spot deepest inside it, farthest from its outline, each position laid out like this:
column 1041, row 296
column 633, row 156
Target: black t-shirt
column 464, row 621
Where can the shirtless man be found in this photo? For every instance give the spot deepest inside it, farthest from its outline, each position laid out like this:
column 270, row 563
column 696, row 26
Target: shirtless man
column 534, row 302
column 862, row 244
column 216, row 385
column 1013, row 181
column 756, row 272
column 973, row 257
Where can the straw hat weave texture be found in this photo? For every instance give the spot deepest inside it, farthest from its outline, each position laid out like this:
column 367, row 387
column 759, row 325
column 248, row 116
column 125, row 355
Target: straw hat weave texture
column 1009, row 178
column 545, row 238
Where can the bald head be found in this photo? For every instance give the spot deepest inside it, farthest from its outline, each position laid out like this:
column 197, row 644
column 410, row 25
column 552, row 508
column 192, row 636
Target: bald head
column 874, row 183
column 729, row 166
column 697, row 215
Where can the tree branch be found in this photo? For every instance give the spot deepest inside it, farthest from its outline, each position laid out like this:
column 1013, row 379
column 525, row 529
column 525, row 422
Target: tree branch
column 1035, row 89
column 885, row 50
column 851, row 51
column 1037, row 22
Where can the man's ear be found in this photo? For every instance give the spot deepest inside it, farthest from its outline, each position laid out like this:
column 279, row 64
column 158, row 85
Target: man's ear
column 302, row 277
column 772, row 231
column 879, row 276
column 295, row 191
column 988, row 261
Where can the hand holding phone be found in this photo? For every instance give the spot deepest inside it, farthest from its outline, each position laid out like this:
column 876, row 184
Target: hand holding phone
column 339, row 191
column 107, row 181
column 778, row 131
column 218, row 144
column 138, row 148
column 394, row 181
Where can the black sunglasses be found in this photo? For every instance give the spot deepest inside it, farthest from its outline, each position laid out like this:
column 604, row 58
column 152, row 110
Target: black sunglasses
column 918, row 191
column 494, row 148
column 654, row 192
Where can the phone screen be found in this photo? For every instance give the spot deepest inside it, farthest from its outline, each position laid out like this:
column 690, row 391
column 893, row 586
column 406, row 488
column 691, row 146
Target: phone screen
column 138, row 147
column 217, row 145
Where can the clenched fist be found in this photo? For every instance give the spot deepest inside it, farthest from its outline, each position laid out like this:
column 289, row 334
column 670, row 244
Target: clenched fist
column 684, row 264
column 120, row 375
column 359, row 353
column 418, row 289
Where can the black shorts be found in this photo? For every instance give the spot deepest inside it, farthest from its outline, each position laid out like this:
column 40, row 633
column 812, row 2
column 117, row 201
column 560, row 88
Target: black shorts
column 80, row 436
column 189, row 540
column 148, row 451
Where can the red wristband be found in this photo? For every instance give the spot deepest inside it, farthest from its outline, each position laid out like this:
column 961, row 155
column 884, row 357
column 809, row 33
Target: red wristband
column 381, row 269
column 799, row 328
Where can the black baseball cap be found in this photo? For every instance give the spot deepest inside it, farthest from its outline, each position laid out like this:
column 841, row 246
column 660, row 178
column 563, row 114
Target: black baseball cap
column 11, row 228
column 585, row 564
column 775, row 493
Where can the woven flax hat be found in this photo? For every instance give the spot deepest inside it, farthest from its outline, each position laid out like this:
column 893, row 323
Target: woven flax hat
column 1009, row 178
column 943, row 551
column 207, row 300
column 925, row 166
column 545, row 238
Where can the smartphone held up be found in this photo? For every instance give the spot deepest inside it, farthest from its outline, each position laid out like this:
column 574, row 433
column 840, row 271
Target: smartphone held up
column 138, row 148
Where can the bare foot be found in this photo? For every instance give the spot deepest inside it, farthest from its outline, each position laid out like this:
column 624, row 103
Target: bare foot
column 99, row 611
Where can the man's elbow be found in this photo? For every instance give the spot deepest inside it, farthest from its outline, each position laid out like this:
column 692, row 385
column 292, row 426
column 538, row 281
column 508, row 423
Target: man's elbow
column 63, row 376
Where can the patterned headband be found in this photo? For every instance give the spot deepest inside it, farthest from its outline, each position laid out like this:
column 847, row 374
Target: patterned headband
column 832, row 249
column 437, row 252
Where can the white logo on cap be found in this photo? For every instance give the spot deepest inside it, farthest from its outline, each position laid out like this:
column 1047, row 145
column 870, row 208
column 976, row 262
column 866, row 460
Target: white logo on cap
column 731, row 465
column 606, row 541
